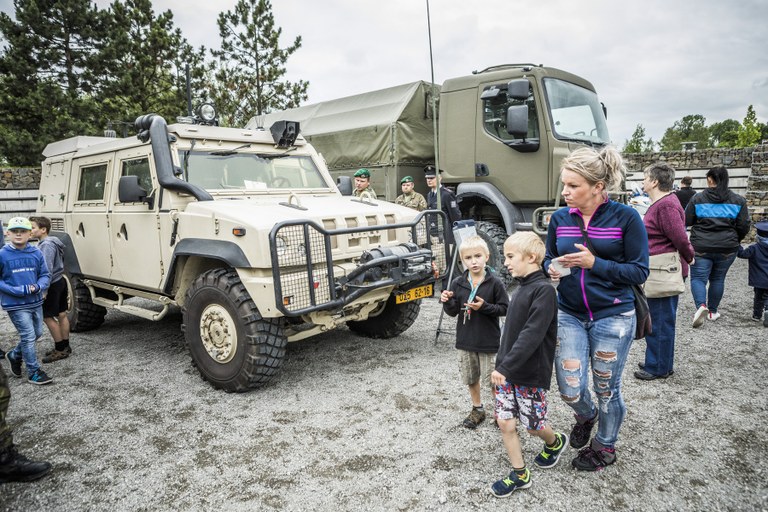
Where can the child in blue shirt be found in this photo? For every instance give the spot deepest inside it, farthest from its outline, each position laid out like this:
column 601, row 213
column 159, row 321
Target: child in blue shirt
column 757, row 254
column 24, row 277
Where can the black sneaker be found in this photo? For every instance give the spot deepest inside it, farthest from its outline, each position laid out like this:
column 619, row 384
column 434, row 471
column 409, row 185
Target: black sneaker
column 509, row 484
column 14, row 467
column 582, row 432
column 589, row 459
column 549, row 457
column 40, row 378
column 15, row 365
column 765, row 319
column 475, row 418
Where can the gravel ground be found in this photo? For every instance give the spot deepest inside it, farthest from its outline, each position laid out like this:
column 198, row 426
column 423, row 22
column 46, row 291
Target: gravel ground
column 355, row 424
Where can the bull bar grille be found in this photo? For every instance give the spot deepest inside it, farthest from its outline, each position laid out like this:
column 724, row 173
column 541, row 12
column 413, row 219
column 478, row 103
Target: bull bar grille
column 303, row 265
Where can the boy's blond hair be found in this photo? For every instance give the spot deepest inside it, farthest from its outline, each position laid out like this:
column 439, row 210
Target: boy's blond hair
column 474, row 242
column 528, row 243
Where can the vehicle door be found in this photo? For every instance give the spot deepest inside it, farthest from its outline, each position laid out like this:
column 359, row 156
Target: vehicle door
column 134, row 226
column 89, row 227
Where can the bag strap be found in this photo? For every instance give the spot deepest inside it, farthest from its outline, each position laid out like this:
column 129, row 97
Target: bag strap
column 587, row 241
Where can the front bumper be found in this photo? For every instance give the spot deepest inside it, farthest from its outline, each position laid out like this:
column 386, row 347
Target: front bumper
column 307, row 278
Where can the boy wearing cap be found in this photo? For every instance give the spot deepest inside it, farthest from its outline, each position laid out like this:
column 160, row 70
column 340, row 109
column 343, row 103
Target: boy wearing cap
column 363, row 183
column 24, row 276
column 757, row 254
column 409, row 197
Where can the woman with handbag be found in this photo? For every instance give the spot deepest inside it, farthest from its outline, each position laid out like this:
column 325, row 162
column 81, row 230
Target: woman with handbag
column 597, row 249
column 670, row 252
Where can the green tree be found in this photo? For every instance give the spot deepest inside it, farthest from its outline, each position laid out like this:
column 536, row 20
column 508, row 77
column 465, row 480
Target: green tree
column 638, row 143
column 45, row 78
column 690, row 128
column 749, row 134
column 142, row 64
column 724, row 134
column 249, row 70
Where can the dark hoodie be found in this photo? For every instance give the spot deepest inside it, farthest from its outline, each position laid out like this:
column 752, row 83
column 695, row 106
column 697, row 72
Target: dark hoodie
column 53, row 250
column 719, row 219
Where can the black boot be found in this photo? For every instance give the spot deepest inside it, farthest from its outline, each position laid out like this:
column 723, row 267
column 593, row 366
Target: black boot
column 14, row 467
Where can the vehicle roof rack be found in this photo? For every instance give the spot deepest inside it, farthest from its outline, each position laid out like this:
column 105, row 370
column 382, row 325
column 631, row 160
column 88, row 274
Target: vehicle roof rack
column 505, row 66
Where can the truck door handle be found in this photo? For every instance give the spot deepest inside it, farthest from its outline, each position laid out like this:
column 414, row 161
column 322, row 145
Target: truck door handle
column 81, row 230
column 123, row 233
column 481, row 170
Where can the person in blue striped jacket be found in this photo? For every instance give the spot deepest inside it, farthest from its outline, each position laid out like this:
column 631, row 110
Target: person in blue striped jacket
column 597, row 249
column 719, row 220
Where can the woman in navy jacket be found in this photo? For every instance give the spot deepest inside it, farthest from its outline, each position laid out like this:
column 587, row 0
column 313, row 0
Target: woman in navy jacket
column 598, row 249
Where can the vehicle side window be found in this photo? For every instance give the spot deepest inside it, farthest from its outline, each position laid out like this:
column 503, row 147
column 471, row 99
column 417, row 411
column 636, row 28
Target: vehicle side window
column 91, row 187
column 495, row 115
column 139, row 167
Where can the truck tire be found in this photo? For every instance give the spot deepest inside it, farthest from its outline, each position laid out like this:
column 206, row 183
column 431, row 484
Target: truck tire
column 393, row 320
column 82, row 313
column 495, row 236
column 231, row 345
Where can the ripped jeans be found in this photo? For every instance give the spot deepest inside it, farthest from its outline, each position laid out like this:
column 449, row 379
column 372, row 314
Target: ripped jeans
column 603, row 346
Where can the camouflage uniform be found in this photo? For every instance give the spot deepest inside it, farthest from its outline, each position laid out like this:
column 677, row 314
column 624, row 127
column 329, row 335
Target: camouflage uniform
column 413, row 200
column 368, row 189
column 6, row 440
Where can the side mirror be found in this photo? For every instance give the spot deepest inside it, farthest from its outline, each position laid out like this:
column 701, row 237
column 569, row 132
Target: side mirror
column 345, row 185
column 518, row 89
column 517, row 121
column 129, row 191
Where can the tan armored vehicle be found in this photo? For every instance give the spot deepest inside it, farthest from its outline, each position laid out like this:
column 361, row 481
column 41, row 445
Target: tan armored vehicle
column 245, row 230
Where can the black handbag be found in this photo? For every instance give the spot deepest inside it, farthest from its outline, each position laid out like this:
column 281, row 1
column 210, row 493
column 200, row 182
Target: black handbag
column 642, row 312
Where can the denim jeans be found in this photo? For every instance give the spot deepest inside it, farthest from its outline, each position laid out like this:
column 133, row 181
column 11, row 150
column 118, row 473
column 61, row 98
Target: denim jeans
column 604, row 345
column 660, row 344
column 710, row 267
column 29, row 324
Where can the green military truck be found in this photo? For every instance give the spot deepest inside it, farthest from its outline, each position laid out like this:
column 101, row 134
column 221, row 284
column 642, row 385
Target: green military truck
column 244, row 230
column 502, row 134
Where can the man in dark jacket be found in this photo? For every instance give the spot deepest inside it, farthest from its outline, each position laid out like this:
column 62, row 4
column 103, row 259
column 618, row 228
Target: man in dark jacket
column 448, row 202
column 686, row 192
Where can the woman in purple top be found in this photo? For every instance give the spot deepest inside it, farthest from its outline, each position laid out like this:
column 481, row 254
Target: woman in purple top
column 665, row 223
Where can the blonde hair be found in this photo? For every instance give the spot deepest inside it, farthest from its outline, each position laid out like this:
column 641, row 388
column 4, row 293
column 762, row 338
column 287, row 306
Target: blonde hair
column 474, row 242
column 528, row 243
column 606, row 166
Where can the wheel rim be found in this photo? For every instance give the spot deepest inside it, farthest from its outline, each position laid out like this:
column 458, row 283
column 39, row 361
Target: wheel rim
column 218, row 333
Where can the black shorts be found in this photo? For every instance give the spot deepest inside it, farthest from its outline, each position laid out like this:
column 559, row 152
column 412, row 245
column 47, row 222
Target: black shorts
column 56, row 300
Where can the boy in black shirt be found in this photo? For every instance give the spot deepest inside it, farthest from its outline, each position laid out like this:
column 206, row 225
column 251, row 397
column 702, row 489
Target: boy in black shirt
column 524, row 362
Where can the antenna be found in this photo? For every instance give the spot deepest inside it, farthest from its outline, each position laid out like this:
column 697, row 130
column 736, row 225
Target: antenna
column 434, row 110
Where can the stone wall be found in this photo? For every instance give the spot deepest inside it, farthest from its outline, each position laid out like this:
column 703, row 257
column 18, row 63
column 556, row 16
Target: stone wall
column 757, row 186
column 22, row 178
column 688, row 160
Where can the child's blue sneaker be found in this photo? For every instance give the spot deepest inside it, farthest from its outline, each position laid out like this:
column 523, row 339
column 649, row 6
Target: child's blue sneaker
column 511, row 483
column 15, row 365
column 40, row 378
column 549, row 457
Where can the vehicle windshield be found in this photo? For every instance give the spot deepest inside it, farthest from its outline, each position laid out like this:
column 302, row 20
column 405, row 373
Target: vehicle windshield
column 575, row 112
column 228, row 170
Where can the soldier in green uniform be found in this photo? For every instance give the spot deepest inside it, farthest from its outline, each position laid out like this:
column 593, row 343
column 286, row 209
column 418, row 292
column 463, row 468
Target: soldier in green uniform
column 14, row 467
column 363, row 183
column 409, row 197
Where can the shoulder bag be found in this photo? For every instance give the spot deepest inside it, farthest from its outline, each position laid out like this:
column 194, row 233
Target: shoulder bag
column 666, row 276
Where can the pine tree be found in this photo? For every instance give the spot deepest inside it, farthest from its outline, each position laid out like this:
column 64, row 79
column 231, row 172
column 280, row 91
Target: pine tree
column 250, row 68
column 142, row 64
column 638, row 143
column 45, row 82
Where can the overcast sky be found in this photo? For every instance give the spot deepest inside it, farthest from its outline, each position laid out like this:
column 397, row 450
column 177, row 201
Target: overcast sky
column 652, row 61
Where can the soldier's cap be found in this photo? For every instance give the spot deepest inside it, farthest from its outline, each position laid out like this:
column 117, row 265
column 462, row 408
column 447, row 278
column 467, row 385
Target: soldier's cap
column 762, row 228
column 19, row 223
column 407, row 179
column 430, row 170
column 363, row 173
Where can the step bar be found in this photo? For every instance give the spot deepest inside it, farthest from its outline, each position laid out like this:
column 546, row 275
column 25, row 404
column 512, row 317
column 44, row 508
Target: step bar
column 121, row 293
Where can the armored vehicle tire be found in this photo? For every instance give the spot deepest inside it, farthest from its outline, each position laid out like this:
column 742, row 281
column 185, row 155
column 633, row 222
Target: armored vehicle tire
column 82, row 313
column 495, row 236
column 232, row 346
column 393, row 320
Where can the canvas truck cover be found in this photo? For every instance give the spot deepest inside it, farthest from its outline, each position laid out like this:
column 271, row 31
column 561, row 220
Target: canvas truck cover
column 388, row 127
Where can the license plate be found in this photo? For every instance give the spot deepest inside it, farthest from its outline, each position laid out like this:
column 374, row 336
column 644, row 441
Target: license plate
column 417, row 293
